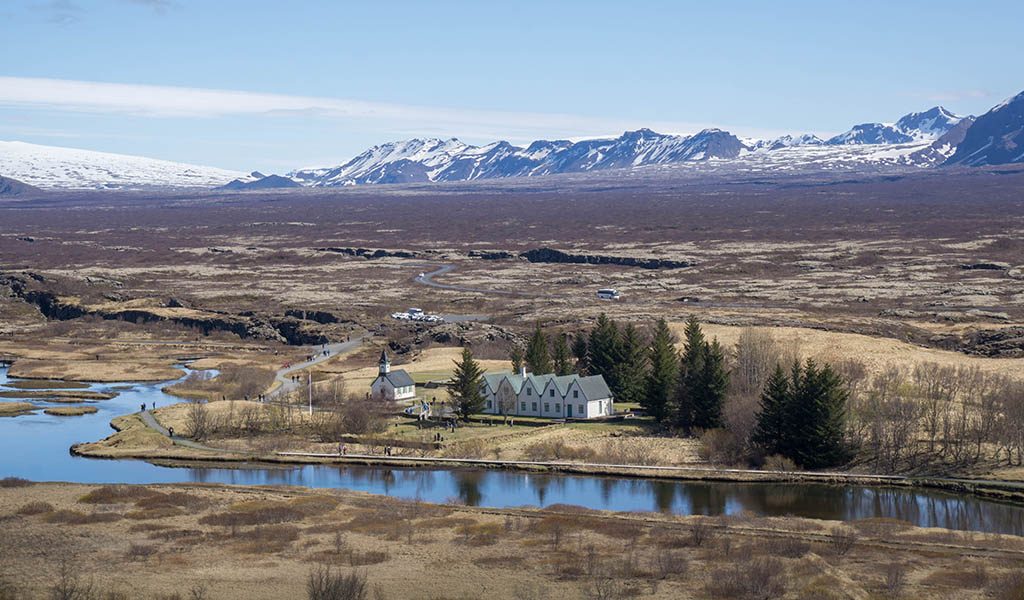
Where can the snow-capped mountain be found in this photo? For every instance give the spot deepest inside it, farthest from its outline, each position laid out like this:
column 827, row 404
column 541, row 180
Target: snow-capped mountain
column 996, row 138
column 928, row 125
column 920, row 139
column 785, row 141
column 451, row 160
column 914, row 127
column 70, row 168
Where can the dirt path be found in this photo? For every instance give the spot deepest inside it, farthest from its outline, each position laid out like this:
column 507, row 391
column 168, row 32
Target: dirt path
column 150, row 420
column 323, row 354
column 428, row 280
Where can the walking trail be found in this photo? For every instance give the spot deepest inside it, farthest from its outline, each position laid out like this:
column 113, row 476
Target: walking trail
column 282, row 377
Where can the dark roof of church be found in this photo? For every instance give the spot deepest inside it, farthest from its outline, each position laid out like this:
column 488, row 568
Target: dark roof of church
column 398, row 378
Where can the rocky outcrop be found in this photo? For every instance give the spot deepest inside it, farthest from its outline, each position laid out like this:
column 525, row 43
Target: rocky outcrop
column 1003, row 343
column 370, row 254
column 491, row 254
column 550, row 255
column 318, row 316
column 986, row 266
column 290, row 329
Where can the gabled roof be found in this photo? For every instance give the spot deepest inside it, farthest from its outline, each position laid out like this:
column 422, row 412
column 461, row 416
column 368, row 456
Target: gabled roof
column 398, row 378
column 593, row 386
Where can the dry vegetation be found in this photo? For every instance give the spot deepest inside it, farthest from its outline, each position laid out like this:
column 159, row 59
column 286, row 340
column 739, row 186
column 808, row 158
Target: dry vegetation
column 235, row 542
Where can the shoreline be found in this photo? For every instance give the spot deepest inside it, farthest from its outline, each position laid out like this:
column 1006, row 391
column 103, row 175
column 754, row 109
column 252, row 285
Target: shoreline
column 182, row 456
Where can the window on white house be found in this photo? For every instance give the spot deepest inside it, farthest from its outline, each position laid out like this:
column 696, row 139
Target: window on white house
column 488, row 405
column 575, row 393
column 547, row 407
column 533, row 407
column 529, row 392
column 522, row 406
column 558, row 408
column 582, row 411
column 552, row 393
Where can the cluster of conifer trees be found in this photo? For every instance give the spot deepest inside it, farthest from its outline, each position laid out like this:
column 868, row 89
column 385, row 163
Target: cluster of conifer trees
column 802, row 412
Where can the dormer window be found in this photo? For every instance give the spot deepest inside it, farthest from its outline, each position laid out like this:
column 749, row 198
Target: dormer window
column 529, row 391
column 552, row 393
column 575, row 393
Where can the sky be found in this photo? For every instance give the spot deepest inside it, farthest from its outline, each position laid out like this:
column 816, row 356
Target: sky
column 275, row 86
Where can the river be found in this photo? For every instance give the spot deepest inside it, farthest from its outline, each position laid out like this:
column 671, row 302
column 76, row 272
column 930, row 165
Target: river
column 36, row 447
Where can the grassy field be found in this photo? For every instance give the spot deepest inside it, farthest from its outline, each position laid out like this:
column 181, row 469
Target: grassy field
column 13, row 409
column 250, row 542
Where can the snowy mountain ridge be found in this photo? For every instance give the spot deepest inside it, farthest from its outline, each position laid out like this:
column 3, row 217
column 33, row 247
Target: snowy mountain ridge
column 433, row 159
column 916, row 140
column 71, row 168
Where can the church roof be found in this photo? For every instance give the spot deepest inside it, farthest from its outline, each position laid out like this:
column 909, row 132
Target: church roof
column 398, row 378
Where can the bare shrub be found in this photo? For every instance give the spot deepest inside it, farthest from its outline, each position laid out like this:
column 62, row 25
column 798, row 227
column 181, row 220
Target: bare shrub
column 140, row 551
column 70, row 586
column 324, row 583
column 760, row 578
column 777, row 462
column 72, row 517
column 14, row 482
column 474, row 448
column 1008, row 587
column 197, row 420
column 370, row 557
column 622, row 452
column 895, row 581
column 670, row 563
column 700, row 533
column 842, row 540
column 604, row 588
column 721, row 446
column 35, row 508
column 557, row 450
column 116, row 494
column 788, row 547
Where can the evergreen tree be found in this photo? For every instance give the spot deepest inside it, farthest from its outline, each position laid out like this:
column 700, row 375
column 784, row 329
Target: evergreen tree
column 537, row 358
column 820, row 404
column 663, row 375
column 712, row 387
column 561, row 358
column 803, row 416
column 580, row 352
column 515, row 354
column 631, row 370
column 691, row 373
column 771, row 429
column 465, row 385
column 604, row 351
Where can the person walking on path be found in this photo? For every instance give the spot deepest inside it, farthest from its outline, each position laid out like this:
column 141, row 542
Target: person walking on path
column 170, row 432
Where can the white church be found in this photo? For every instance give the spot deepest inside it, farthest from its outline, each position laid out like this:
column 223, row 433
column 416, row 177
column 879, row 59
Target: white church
column 391, row 385
column 547, row 396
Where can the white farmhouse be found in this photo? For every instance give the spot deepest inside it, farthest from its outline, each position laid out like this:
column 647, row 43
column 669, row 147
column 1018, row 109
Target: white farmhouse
column 547, row 396
column 392, row 385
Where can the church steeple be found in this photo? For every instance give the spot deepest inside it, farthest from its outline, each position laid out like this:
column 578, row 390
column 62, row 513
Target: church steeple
column 385, row 363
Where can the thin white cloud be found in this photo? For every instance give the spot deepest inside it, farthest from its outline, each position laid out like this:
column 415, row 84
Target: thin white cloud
column 170, row 102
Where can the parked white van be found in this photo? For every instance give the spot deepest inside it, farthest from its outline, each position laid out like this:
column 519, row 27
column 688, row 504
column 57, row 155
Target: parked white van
column 608, row 294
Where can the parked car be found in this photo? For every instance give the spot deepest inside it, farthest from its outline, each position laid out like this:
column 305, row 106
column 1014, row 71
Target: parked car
column 608, row 294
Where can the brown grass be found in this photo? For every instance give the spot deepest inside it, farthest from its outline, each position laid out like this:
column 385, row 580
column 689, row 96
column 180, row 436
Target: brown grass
column 13, row 409
column 70, row 411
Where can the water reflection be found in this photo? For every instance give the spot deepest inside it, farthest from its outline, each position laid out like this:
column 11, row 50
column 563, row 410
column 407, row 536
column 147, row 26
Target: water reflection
column 36, row 447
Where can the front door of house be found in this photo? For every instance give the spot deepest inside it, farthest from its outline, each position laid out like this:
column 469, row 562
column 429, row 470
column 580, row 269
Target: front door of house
column 568, row 410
